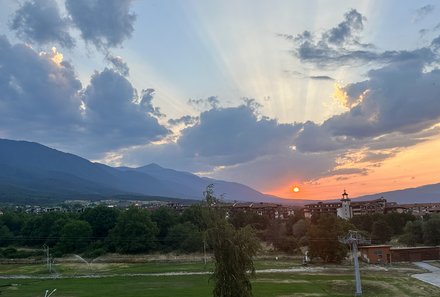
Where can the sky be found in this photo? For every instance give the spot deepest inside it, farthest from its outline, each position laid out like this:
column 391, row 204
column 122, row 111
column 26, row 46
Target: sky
column 322, row 95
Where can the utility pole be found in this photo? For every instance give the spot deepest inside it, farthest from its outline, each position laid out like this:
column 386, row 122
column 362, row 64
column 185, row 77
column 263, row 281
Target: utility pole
column 353, row 238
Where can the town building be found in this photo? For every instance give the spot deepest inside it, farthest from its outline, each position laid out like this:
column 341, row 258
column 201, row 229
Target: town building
column 321, row 208
column 270, row 210
column 369, row 207
column 421, row 209
column 342, row 209
column 346, row 208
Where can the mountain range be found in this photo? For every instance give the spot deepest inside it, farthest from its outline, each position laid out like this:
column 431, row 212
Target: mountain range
column 422, row 194
column 36, row 171
column 33, row 172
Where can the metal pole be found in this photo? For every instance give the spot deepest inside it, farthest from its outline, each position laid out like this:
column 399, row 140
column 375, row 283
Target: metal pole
column 48, row 258
column 204, row 251
column 353, row 238
column 357, row 273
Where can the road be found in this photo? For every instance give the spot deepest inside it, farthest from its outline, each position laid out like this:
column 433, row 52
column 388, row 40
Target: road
column 432, row 277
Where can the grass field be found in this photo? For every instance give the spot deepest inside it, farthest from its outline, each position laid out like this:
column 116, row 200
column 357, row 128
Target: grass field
column 114, row 279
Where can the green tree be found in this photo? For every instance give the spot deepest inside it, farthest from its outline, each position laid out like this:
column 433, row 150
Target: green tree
column 233, row 254
column 55, row 231
column 292, row 220
column 102, row 219
column 196, row 215
column 37, row 228
column 75, row 237
column 397, row 221
column 233, row 251
column 274, row 233
column 299, row 229
column 413, row 233
column 324, row 238
column 6, row 236
column 13, row 221
column 363, row 222
column 240, row 218
column 165, row 218
column 431, row 230
column 134, row 232
column 381, row 232
column 209, row 196
column 185, row 237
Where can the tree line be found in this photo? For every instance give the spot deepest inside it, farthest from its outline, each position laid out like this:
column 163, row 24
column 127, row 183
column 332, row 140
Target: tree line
column 100, row 230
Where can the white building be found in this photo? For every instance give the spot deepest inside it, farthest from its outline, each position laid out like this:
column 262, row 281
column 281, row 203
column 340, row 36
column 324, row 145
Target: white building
column 345, row 211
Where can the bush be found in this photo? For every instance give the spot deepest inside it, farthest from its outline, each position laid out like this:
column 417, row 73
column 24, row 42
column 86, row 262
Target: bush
column 13, row 253
column 92, row 254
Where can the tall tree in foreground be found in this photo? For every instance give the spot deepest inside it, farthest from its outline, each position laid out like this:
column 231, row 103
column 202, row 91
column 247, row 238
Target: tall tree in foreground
column 233, row 250
column 233, row 254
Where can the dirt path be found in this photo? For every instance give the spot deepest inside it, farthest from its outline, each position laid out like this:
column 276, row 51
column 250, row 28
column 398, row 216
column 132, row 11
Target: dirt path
column 306, row 269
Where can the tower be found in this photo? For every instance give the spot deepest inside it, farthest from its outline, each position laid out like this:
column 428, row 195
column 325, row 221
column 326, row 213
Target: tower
column 345, row 210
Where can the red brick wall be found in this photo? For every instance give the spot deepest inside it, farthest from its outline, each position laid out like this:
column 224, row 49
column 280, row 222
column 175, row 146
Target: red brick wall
column 376, row 255
column 415, row 254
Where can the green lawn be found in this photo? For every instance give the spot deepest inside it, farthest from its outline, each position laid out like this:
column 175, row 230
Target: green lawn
column 334, row 283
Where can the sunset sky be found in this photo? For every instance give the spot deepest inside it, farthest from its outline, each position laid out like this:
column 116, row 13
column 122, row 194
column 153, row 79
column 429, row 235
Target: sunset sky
column 322, row 95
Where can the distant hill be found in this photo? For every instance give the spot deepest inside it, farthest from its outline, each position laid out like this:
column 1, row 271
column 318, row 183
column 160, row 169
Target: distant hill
column 423, row 194
column 35, row 171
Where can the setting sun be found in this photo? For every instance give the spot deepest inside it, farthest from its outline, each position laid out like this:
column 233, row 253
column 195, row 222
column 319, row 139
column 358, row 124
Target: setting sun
column 295, row 189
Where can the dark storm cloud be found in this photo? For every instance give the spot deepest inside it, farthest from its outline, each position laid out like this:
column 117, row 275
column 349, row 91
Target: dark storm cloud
column 341, row 45
column 38, row 96
column 43, row 100
column 113, row 115
column 104, row 23
column 399, row 100
column 39, row 21
column 400, row 97
column 235, row 135
column 393, row 108
column 316, row 138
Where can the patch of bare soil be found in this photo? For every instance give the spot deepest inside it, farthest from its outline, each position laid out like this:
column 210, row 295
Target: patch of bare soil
column 281, row 281
column 303, row 295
